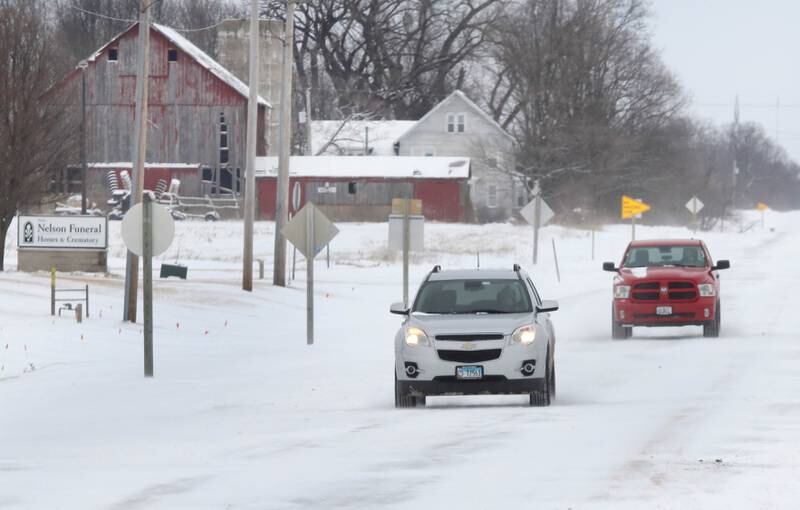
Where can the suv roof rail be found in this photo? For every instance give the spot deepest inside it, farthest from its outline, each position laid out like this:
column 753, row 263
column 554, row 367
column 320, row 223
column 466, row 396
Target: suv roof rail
column 516, row 268
column 436, row 268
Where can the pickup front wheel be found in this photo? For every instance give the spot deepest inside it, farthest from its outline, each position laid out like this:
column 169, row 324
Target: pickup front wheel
column 618, row 332
column 711, row 328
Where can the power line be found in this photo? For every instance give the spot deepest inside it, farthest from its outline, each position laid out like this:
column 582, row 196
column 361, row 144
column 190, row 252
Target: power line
column 97, row 14
column 111, row 18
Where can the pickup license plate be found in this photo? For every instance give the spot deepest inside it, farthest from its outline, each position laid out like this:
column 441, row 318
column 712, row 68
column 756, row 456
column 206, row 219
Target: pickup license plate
column 469, row 372
column 663, row 310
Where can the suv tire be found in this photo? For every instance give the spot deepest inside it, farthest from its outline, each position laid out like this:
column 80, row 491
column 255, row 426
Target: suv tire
column 711, row 328
column 545, row 397
column 402, row 399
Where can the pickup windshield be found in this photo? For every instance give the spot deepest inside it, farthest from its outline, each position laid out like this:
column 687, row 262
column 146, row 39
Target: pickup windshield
column 473, row 297
column 660, row 256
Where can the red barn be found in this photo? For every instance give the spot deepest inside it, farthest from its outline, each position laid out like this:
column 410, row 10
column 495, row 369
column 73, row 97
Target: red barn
column 357, row 188
column 197, row 109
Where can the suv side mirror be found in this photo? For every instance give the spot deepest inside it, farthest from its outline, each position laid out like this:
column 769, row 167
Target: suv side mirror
column 609, row 266
column 399, row 309
column 547, row 306
column 722, row 264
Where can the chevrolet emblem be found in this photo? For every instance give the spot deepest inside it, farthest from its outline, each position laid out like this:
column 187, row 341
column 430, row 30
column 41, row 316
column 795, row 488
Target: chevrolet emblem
column 469, row 347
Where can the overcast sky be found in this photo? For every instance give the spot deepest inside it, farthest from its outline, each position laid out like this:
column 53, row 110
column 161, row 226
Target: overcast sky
column 720, row 48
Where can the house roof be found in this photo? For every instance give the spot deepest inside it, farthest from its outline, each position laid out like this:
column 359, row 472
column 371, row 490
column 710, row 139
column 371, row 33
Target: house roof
column 350, row 135
column 381, row 167
column 195, row 53
column 471, row 104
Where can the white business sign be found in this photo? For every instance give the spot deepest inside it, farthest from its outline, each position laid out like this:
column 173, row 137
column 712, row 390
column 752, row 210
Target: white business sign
column 78, row 232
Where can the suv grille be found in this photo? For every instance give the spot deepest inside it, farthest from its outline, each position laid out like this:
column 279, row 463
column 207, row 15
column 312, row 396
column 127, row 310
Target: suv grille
column 469, row 356
column 472, row 337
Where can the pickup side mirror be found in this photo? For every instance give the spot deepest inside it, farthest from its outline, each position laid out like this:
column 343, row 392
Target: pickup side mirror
column 722, row 264
column 547, row 306
column 398, row 309
column 609, row 266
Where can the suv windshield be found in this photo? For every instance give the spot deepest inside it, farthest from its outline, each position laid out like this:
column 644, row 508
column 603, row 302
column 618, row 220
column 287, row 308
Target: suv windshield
column 473, row 296
column 656, row 256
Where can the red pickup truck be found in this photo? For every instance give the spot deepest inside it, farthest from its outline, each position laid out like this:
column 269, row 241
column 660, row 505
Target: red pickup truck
column 666, row 283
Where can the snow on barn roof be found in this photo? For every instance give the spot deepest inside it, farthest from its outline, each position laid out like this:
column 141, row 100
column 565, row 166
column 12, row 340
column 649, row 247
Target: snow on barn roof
column 196, row 54
column 128, row 164
column 348, row 137
column 380, row 167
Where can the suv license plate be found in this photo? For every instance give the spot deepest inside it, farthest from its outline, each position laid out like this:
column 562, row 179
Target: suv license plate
column 663, row 310
column 469, row 372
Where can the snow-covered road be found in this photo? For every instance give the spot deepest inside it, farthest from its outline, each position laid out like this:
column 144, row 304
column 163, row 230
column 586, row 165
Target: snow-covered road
column 243, row 415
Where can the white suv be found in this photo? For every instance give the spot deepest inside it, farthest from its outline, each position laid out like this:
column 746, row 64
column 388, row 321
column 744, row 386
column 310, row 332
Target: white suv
column 475, row 331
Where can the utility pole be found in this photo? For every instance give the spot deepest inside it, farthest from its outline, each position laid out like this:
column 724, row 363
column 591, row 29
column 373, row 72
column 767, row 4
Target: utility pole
column 139, row 153
column 282, row 199
column 83, row 65
column 250, row 178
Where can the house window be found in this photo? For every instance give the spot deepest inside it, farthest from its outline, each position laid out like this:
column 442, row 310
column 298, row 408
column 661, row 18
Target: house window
column 224, row 153
column 351, row 188
column 113, row 54
column 172, row 55
column 491, row 196
column 456, row 122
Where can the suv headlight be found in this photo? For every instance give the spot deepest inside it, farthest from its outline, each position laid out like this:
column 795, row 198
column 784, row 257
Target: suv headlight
column 415, row 337
column 622, row 291
column 524, row 335
column 706, row 290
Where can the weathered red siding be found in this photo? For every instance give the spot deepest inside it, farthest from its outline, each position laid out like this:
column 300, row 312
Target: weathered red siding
column 185, row 101
column 442, row 199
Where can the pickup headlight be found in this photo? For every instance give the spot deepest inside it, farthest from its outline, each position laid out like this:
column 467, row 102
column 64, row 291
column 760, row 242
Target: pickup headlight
column 706, row 290
column 622, row 291
column 415, row 337
column 524, row 335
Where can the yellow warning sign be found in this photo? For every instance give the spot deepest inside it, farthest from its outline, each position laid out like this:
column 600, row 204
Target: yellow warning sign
column 762, row 206
column 631, row 207
column 414, row 206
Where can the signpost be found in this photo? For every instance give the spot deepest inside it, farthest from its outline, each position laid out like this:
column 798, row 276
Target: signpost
column 148, row 230
column 537, row 213
column 633, row 208
column 695, row 206
column 309, row 231
column 406, row 232
column 763, row 208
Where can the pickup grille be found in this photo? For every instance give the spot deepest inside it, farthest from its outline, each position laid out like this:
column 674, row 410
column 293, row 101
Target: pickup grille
column 469, row 356
column 675, row 291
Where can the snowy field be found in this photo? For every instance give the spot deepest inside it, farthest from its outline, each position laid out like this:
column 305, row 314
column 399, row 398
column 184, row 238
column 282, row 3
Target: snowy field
column 242, row 414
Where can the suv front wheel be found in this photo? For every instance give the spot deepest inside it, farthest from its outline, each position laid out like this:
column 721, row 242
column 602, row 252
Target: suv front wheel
column 403, row 399
column 546, row 396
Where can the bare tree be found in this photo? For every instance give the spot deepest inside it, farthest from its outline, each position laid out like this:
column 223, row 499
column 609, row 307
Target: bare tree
column 585, row 94
column 397, row 57
column 37, row 130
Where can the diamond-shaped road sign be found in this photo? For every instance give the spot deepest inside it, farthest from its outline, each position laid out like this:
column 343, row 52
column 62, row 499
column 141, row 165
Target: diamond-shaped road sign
column 694, row 205
column 295, row 231
column 529, row 213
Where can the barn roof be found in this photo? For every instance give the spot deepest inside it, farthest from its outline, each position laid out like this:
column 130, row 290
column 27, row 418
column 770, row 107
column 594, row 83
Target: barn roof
column 195, row 53
column 380, row 167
